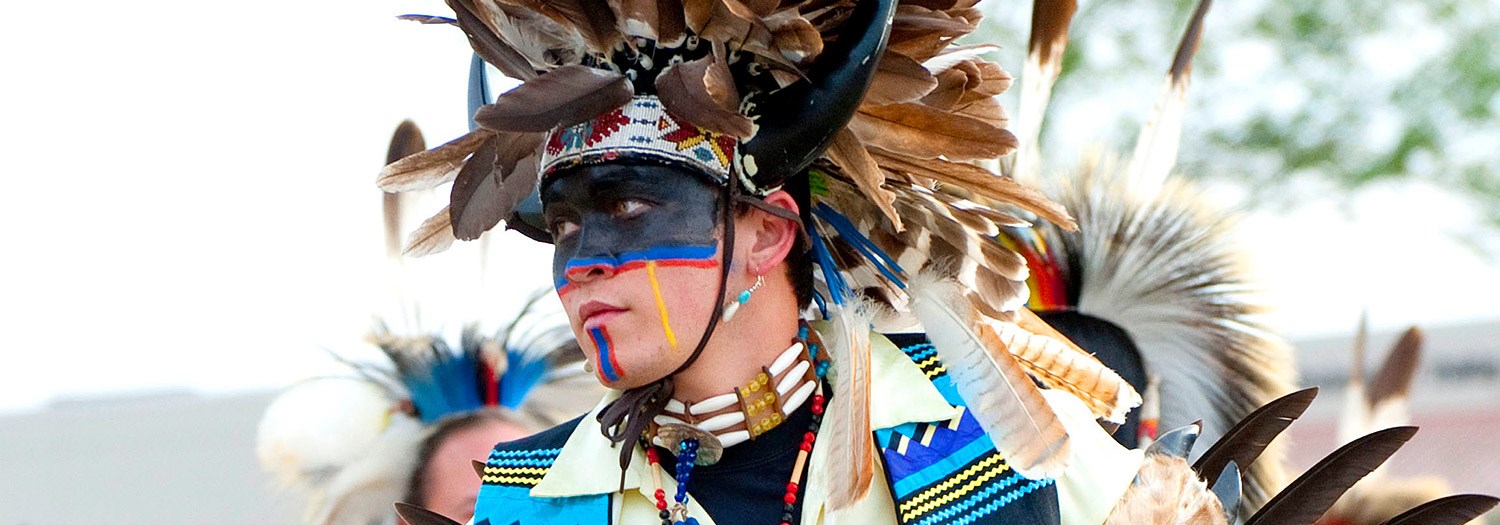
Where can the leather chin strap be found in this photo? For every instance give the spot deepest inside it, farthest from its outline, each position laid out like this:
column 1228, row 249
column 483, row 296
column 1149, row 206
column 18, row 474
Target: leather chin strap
column 625, row 419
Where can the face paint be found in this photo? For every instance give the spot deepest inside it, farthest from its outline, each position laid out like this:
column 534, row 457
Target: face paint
column 611, row 220
column 661, row 305
column 614, row 218
column 609, row 367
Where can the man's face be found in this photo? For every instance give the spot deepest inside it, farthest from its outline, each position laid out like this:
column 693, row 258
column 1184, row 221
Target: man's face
column 636, row 265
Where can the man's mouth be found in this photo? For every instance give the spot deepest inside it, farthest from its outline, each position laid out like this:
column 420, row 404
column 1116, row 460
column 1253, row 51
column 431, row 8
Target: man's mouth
column 593, row 313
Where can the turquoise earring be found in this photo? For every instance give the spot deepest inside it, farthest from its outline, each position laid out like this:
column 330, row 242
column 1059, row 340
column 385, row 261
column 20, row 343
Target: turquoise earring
column 734, row 306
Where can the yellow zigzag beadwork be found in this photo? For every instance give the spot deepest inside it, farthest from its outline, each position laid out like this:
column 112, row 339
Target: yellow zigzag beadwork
column 914, row 506
column 511, row 480
column 516, row 471
column 929, row 362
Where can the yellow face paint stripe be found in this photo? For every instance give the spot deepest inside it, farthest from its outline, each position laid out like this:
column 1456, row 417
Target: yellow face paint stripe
column 661, row 305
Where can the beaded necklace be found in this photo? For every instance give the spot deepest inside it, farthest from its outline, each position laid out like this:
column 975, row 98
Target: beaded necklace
column 687, row 452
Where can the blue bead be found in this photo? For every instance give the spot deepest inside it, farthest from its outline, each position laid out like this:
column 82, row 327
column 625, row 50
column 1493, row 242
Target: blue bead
column 692, row 521
column 744, row 297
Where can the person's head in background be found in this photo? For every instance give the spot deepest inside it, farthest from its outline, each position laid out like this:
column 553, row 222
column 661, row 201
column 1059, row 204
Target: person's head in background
column 443, row 479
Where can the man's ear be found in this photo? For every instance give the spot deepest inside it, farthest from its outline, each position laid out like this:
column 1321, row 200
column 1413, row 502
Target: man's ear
column 773, row 236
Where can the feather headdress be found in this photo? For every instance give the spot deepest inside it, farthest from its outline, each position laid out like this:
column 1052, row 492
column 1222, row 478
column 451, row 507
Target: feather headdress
column 892, row 116
column 349, row 444
column 1150, row 280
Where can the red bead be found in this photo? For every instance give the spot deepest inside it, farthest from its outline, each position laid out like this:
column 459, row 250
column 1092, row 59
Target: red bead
column 817, row 409
column 651, row 455
column 661, row 504
column 806, row 447
column 790, row 499
column 809, row 437
column 791, row 488
column 661, row 494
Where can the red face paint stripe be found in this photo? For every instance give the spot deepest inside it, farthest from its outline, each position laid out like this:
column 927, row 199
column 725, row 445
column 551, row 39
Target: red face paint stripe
column 638, row 265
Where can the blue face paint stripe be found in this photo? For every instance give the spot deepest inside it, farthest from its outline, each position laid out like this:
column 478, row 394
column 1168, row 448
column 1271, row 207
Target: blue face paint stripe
column 606, row 362
column 658, row 253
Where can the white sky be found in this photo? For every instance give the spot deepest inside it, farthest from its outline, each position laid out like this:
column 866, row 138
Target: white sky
column 192, row 203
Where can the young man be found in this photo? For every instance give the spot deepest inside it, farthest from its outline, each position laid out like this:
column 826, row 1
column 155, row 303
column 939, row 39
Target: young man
column 737, row 194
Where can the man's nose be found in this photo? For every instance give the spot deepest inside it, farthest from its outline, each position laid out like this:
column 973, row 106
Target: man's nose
column 588, row 271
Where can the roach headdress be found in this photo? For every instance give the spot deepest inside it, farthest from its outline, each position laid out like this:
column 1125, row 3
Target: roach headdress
column 1151, row 280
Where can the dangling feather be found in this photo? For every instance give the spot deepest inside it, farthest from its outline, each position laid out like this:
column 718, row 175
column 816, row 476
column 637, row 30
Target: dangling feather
column 433, row 167
column 433, row 236
column 1243, row 443
column 1156, row 149
column 561, row 97
column 847, row 423
column 480, row 196
column 405, row 142
column 1311, row 494
column 1001, row 396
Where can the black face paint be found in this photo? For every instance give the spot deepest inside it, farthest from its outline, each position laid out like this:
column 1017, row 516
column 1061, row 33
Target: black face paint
column 618, row 217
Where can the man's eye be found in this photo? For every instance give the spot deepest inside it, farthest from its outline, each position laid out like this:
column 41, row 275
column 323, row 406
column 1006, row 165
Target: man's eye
column 630, row 208
column 563, row 228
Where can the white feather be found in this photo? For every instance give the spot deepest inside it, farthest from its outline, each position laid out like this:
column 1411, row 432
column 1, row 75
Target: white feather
column 1002, row 398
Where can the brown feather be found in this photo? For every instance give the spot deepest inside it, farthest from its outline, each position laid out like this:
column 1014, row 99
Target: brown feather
column 847, row 419
column 433, row 167
column 406, row 141
column 795, row 37
column 1395, row 377
column 489, row 45
column 636, row 18
column 701, row 92
column 850, row 155
column 899, row 79
column 433, row 236
column 593, row 19
column 562, row 97
column 480, row 198
column 1245, row 441
column 1157, row 145
column 415, row 515
column 982, row 182
column 1311, row 494
column 923, row 132
column 471, row 201
column 1061, row 365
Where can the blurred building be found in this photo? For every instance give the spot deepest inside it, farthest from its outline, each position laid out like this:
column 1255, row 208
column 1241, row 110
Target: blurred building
column 186, row 459
column 1455, row 400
